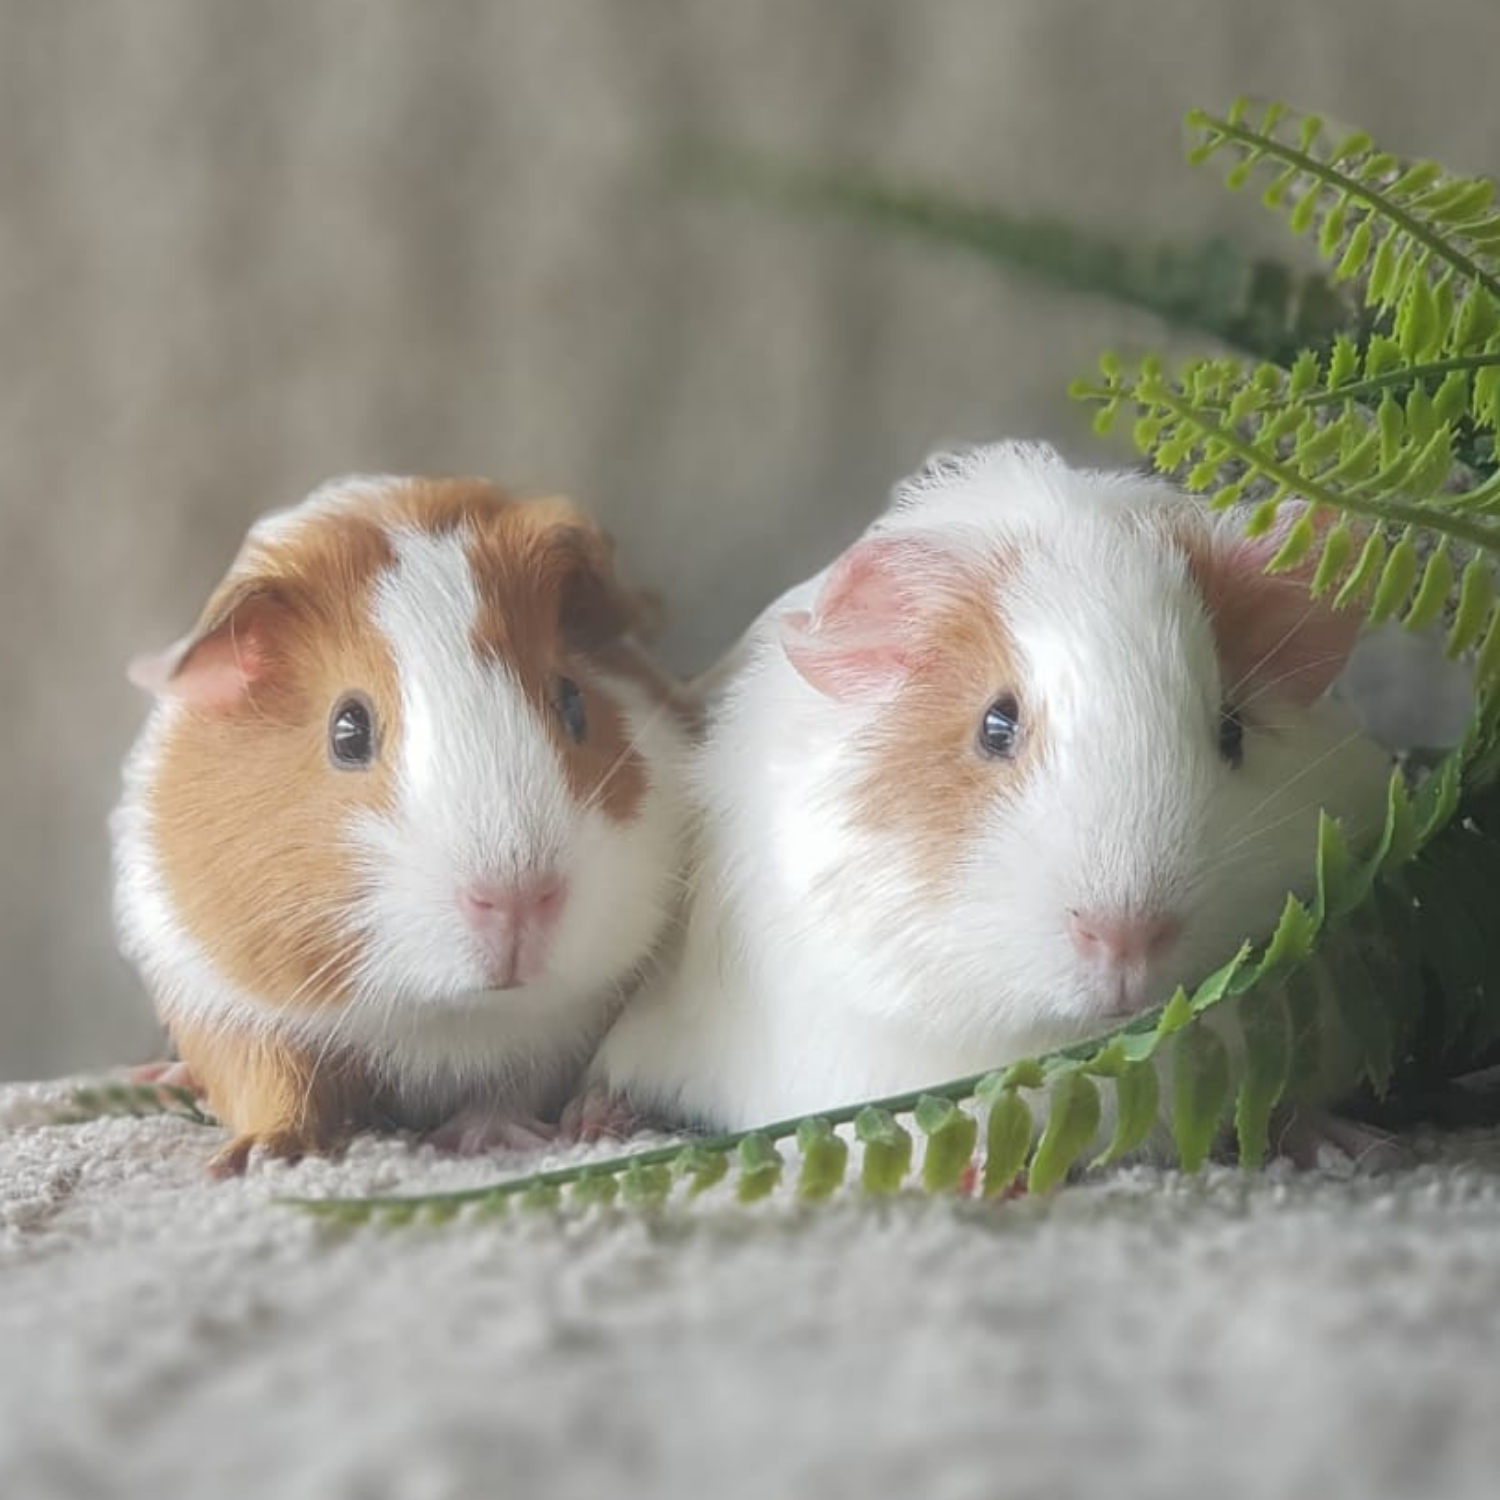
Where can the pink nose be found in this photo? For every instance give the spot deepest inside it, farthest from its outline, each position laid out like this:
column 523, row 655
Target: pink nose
column 1124, row 942
column 489, row 904
column 514, row 924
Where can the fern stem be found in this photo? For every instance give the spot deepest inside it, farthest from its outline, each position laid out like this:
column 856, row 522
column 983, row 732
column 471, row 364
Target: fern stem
column 1331, row 177
column 955, row 1090
column 1399, row 376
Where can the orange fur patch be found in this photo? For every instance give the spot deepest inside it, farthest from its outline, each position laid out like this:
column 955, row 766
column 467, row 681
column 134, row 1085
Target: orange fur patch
column 1269, row 634
column 250, row 815
column 925, row 775
column 1232, row 609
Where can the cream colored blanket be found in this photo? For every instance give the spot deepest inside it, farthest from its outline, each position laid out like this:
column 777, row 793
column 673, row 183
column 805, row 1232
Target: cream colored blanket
column 1139, row 1335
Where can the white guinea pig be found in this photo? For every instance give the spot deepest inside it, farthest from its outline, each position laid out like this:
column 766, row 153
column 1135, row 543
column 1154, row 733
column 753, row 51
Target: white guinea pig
column 1039, row 746
column 405, row 822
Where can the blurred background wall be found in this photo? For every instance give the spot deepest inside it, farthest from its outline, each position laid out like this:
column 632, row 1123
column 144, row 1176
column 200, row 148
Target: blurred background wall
column 243, row 247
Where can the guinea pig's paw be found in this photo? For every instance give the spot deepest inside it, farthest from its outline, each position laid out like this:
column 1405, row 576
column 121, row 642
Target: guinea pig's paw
column 481, row 1127
column 598, row 1114
column 1313, row 1138
column 289, row 1146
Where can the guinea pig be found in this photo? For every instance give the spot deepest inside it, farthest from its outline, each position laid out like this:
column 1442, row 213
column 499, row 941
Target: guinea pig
column 406, row 820
column 1040, row 745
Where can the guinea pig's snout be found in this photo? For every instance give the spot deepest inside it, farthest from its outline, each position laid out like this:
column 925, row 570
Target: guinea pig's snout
column 514, row 922
column 1125, row 947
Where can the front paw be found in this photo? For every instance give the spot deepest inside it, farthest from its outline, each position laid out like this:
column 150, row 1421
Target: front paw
column 598, row 1114
column 289, row 1146
column 1313, row 1138
column 480, row 1128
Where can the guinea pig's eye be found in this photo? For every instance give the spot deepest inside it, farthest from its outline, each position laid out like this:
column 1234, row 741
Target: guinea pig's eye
column 351, row 733
column 1231, row 737
column 1000, row 728
column 570, row 709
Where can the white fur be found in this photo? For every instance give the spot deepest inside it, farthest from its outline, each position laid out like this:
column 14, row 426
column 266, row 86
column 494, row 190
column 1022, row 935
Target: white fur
column 480, row 795
column 346, row 493
column 817, row 970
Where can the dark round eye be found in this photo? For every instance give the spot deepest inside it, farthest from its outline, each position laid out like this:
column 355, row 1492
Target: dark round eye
column 351, row 733
column 570, row 709
column 1231, row 737
column 1000, row 728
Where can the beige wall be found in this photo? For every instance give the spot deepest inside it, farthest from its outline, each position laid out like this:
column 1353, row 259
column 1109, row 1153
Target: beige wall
column 244, row 246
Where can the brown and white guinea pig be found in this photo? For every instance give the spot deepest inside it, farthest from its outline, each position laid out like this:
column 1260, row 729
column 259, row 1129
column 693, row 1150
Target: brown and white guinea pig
column 405, row 822
column 1040, row 745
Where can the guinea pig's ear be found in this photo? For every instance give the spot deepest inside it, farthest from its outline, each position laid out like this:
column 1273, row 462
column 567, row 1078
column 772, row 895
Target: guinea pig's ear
column 594, row 607
column 858, row 640
column 1271, row 632
column 231, row 649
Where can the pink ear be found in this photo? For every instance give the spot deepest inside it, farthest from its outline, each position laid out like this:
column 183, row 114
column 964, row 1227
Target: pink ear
column 218, row 665
column 859, row 639
column 1270, row 631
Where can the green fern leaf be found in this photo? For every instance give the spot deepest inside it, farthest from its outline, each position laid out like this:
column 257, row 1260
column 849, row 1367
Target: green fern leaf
column 1366, row 571
column 1229, row 978
column 703, row 1167
column 642, row 1184
column 1402, row 836
column 760, row 1168
column 1338, row 889
column 1338, row 548
column 595, row 1190
column 1292, row 941
column 1200, row 1094
column 1356, row 252
column 1072, row 1122
column 825, row 1159
column 951, row 1137
column 1364, row 1013
column 1487, row 658
column 1137, row 1107
column 887, row 1151
column 1266, row 1028
column 1007, row 1142
column 1433, row 592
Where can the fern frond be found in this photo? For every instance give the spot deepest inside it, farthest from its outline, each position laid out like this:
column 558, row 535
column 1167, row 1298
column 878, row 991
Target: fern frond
column 1419, row 242
column 1420, row 246
column 102, row 1100
column 1251, row 303
column 1260, row 436
column 1223, row 427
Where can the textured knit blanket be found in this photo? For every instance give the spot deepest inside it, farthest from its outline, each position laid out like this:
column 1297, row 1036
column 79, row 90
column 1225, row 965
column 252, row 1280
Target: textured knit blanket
column 1138, row 1334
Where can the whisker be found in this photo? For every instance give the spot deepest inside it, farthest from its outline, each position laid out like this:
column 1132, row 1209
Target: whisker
column 1306, row 770
column 1271, row 651
column 594, row 797
column 1267, row 685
